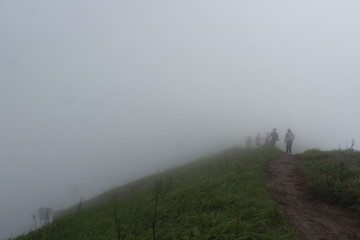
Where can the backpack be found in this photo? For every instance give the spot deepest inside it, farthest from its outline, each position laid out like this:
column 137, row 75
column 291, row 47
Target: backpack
column 290, row 136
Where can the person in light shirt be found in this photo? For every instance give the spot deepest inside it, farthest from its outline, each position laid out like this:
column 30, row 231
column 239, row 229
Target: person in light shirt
column 289, row 138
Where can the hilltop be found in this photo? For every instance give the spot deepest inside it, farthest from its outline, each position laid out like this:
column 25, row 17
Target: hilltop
column 236, row 194
column 223, row 196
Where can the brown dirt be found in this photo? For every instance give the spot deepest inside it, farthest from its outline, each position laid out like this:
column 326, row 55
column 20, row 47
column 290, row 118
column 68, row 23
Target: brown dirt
column 312, row 218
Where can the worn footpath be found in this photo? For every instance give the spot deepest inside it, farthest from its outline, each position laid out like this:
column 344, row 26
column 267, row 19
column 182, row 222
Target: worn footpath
column 312, row 218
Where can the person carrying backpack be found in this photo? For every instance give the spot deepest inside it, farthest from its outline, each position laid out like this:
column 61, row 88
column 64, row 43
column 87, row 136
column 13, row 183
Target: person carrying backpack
column 289, row 138
column 273, row 137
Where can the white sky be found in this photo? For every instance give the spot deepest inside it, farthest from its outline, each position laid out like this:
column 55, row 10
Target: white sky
column 97, row 93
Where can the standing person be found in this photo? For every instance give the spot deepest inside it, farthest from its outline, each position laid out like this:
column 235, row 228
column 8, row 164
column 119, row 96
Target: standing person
column 267, row 139
column 258, row 140
column 289, row 138
column 249, row 142
column 273, row 137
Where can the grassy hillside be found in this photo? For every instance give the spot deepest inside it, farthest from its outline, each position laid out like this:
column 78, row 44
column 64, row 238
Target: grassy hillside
column 221, row 197
column 333, row 175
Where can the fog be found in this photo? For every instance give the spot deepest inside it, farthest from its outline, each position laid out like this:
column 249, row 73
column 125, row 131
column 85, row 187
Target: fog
column 94, row 94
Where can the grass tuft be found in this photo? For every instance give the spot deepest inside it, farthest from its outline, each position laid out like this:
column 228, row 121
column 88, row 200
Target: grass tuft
column 333, row 175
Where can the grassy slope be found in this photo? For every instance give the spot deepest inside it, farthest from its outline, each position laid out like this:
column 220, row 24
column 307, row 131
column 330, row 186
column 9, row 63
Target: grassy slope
column 333, row 175
column 215, row 198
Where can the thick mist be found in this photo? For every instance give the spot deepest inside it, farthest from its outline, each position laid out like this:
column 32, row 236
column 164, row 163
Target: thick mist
column 94, row 94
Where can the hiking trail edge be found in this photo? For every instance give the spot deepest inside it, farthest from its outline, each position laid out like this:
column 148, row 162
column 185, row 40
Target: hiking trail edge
column 312, row 218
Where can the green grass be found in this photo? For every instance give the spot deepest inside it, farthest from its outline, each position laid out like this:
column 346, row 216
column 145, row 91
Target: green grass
column 333, row 175
column 214, row 198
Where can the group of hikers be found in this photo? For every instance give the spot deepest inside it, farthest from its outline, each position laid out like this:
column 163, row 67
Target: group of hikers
column 271, row 139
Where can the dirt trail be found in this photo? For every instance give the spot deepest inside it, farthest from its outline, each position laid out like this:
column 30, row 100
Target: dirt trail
column 313, row 218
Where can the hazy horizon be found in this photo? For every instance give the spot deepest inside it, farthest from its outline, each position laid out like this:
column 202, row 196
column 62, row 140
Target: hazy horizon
column 96, row 94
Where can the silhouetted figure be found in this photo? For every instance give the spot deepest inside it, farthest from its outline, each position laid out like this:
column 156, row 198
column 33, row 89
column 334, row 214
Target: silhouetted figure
column 267, row 139
column 249, row 142
column 289, row 138
column 273, row 137
column 258, row 140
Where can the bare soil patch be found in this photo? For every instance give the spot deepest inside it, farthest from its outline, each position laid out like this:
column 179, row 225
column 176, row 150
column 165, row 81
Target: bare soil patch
column 313, row 218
